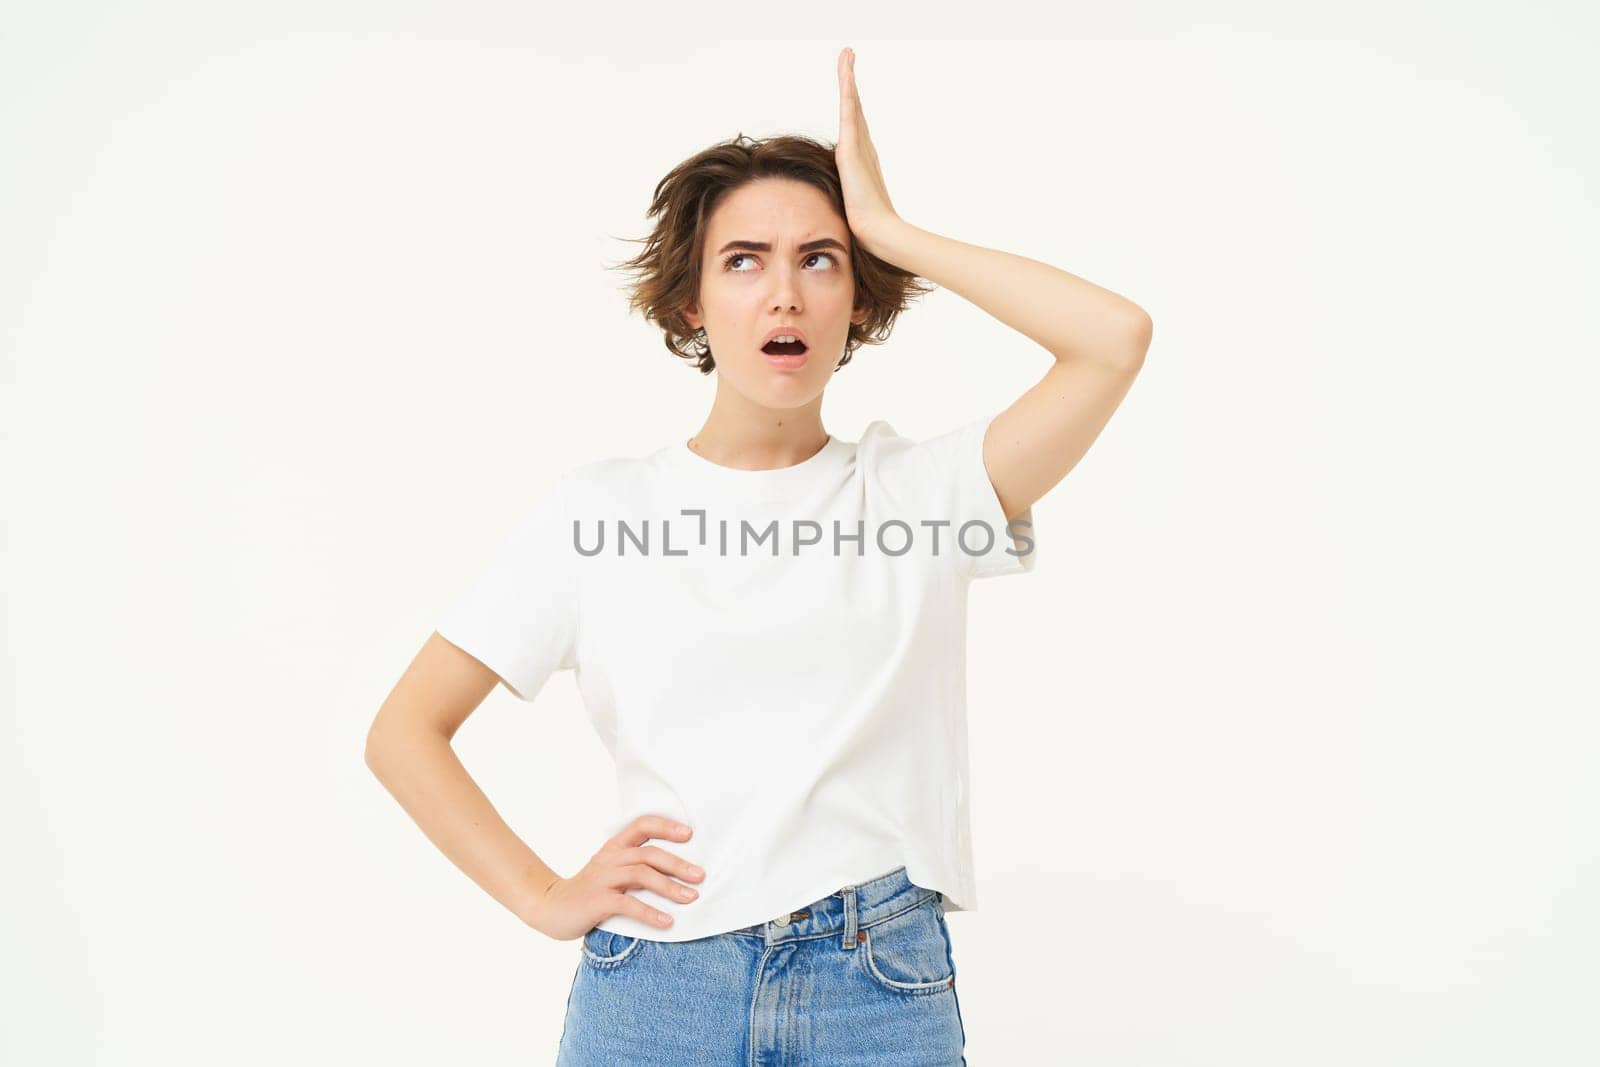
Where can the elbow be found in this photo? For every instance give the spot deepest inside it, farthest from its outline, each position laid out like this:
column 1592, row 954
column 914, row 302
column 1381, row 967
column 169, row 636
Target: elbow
column 1136, row 343
column 372, row 754
column 1142, row 328
column 393, row 742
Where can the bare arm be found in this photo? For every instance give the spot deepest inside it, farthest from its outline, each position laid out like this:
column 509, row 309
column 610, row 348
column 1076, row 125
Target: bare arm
column 1098, row 338
column 408, row 749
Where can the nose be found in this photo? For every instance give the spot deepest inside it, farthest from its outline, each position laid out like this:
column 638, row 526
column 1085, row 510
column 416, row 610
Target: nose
column 786, row 290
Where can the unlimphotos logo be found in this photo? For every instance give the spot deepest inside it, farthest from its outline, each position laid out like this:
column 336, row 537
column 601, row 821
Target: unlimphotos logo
column 892, row 537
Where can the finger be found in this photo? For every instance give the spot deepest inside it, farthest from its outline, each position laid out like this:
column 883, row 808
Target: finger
column 859, row 114
column 663, row 860
column 643, row 876
column 846, row 105
column 645, row 914
column 633, row 907
column 644, row 827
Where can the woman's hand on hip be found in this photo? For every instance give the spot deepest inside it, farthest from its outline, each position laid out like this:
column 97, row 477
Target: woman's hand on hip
column 571, row 907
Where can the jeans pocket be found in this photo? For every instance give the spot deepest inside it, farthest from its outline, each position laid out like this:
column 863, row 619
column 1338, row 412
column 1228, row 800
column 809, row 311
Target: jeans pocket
column 605, row 950
column 907, row 953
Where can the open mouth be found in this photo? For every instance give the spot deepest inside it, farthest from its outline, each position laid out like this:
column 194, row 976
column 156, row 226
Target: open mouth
column 784, row 348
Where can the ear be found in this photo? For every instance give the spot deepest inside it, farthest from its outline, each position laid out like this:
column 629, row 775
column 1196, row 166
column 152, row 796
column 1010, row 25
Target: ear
column 859, row 315
column 691, row 314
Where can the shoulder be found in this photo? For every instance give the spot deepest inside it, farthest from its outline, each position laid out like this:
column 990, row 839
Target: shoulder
column 563, row 495
column 605, row 481
column 602, row 473
column 881, row 446
column 884, row 449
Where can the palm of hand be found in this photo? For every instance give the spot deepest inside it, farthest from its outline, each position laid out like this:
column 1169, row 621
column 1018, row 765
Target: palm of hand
column 866, row 196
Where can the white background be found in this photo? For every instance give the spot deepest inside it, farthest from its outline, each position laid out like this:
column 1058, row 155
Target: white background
column 1284, row 754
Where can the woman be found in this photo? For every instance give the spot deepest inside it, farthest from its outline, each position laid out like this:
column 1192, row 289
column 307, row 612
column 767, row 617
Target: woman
column 768, row 632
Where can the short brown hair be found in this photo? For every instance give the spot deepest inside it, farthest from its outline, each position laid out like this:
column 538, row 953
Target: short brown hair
column 667, row 269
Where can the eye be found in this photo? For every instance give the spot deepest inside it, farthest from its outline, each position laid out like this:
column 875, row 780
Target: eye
column 728, row 263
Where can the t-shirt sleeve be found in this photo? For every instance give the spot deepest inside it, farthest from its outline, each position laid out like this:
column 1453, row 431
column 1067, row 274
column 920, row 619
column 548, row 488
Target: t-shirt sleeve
column 978, row 541
column 519, row 617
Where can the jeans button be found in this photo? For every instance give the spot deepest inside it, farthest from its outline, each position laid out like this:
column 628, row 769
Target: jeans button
column 784, row 920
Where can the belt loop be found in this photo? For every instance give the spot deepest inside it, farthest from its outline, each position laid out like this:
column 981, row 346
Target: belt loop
column 849, row 894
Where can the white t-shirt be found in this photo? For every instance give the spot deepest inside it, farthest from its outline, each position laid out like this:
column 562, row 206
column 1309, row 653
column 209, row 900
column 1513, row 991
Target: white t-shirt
column 799, row 702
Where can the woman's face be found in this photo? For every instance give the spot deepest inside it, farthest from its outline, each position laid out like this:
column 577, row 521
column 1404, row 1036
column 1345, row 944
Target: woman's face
column 777, row 257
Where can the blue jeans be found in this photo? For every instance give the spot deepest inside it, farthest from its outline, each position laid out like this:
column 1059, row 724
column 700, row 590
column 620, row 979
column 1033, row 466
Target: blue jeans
column 863, row 976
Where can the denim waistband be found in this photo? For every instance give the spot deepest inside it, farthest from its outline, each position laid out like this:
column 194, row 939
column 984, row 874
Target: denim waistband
column 845, row 911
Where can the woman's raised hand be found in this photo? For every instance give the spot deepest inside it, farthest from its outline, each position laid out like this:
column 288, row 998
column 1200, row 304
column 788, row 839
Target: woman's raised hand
column 866, row 198
column 573, row 906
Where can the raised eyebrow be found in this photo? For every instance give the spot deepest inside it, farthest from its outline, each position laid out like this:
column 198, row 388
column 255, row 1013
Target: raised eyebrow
column 763, row 246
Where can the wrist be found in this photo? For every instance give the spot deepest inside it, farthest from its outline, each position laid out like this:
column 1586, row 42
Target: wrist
column 534, row 895
column 885, row 237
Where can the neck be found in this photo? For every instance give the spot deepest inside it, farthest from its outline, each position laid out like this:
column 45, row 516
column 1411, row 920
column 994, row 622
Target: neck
column 751, row 437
